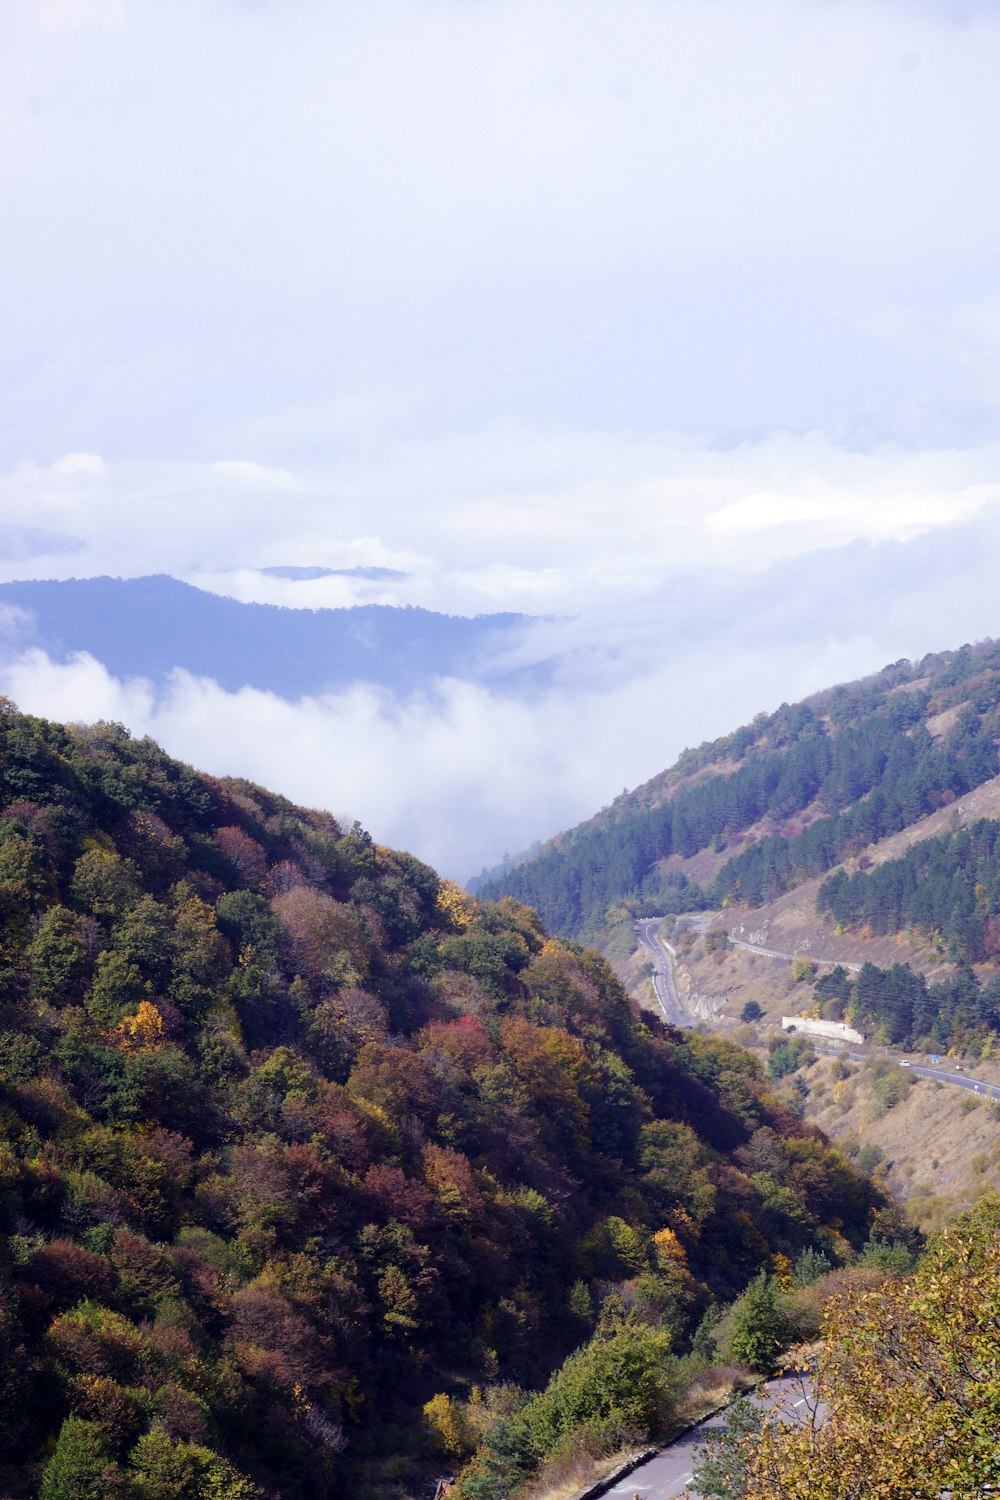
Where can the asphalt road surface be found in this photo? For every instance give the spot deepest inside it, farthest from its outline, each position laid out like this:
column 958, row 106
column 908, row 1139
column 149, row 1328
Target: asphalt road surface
column 922, row 1070
column 666, row 992
column 773, row 953
column 670, row 1473
column 974, row 1085
column 663, row 971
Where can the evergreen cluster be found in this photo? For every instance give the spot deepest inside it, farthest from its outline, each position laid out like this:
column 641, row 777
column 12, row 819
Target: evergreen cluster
column 899, row 1008
column 906, row 777
column 947, row 888
column 781, row 801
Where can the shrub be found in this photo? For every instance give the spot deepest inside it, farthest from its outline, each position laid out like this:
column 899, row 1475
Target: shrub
column 759, row 1328
column 617, row 1385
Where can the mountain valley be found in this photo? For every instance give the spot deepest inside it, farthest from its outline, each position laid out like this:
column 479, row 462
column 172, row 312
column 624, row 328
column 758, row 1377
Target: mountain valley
column 316, row 1171
column 322, row 1172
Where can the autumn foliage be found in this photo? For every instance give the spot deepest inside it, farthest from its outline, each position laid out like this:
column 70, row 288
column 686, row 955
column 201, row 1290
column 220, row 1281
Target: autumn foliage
column 909, row 1379
column 311, row 1167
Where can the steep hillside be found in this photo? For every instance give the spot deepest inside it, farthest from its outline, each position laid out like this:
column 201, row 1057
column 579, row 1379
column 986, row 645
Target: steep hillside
column 296, row 1138
column 779, row 802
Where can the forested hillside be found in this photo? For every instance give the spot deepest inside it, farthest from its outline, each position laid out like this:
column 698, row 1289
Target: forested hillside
column 297, row 1139
column 900, row 1008
column 947, row 887
column 780, row 801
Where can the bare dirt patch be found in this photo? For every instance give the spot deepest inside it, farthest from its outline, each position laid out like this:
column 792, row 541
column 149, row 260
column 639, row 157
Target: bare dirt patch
column 701, row 867
column 792, row 925
column 915, row 686
column 938, row 725
column 940, row 1145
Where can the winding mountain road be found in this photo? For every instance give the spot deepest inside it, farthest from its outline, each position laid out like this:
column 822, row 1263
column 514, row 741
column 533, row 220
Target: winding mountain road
column 922, row 1070
column 665, row 988
column 813, row 958
column 671, row 1472
column 664, row 981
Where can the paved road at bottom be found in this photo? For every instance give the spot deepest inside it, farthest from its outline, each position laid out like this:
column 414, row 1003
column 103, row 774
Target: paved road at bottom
column 670, row 1473
column 974, row 1085
column 922, row 1070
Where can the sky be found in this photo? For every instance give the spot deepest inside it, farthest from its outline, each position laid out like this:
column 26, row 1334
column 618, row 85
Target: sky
column 673, row 322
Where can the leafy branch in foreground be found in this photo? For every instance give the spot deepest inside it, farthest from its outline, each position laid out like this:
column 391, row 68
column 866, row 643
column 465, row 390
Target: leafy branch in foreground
column 910, row 1383
column 721, row 1474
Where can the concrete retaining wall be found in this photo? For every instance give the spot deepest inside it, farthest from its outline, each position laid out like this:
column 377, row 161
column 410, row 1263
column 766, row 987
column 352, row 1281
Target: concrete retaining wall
column 839, row 1031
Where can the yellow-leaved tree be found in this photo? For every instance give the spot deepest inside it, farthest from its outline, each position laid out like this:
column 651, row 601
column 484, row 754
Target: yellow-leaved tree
column 455, row 906
column 909, row 1386
column 142, row 1031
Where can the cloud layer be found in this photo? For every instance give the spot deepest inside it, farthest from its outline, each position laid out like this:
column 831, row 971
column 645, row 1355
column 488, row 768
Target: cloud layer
column 462, row 772
column 509, row 518
column 460, row 775
column 675, row 323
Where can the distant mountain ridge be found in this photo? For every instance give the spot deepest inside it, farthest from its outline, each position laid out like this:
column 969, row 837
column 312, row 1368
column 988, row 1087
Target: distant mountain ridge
column 145, row 627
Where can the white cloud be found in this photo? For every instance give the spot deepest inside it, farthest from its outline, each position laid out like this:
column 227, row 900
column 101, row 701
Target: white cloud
column 65, row 17
column 507, row 518
column 14, row 622
column 72, row 465
column 83, row 690
column 458, row 775
column 244, row 471
column 884, row 506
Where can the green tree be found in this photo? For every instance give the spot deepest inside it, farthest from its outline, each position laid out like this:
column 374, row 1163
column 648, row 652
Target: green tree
column 117, row 988
column 56, row 955
column 721, row 1473
column 105, row 884
column 81, row 1467
column 168, row 1470
column 810, row 1266
column 619, row 1384
column 887, row 1255
column 789, row 1056
column 869, row 1157
column 759, row 1328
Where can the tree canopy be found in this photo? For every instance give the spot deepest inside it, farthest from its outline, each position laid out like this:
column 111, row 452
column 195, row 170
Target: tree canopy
column 909, row 1381
column 781, row 800
column 296, row 1138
